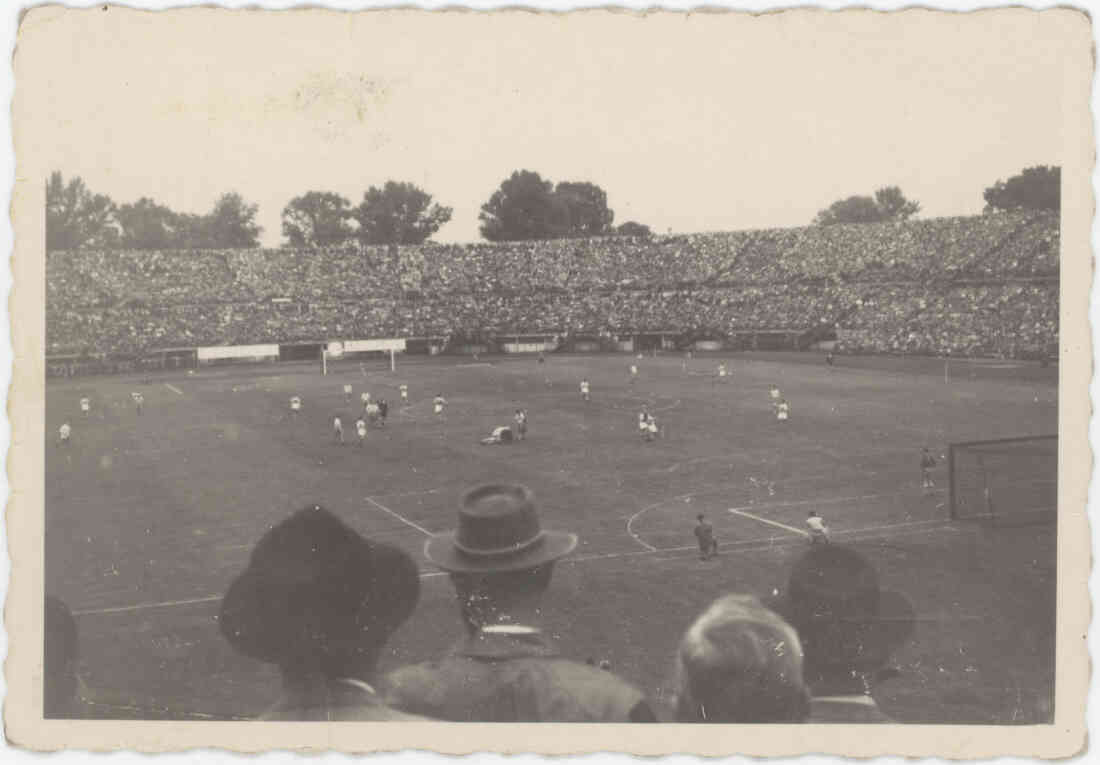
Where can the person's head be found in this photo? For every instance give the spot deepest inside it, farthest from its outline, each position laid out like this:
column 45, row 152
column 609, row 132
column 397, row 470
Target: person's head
column 848, row 625
column 740, row 663
column 319, row 599
column 59, row 658
column 813, row 514
column 500, row 558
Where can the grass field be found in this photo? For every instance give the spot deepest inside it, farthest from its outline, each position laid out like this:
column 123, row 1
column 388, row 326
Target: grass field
column 149, row 518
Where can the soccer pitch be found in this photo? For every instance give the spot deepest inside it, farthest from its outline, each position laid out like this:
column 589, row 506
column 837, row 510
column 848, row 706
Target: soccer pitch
column 149, row 517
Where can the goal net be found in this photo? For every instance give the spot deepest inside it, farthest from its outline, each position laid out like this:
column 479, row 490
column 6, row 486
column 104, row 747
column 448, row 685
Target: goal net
column 1008, row 481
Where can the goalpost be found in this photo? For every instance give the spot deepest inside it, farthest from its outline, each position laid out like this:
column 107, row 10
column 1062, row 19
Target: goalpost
column 387, row 346
column 1008, row 481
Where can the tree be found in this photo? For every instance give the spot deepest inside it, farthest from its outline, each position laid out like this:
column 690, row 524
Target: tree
column 888, row 204
column 586, row 209
column 146, row 225
column 317, row 219
column 894, row 206
column 75, row 217
column 522, row 208
column 631, row 228
column 398, row 213
column 1036, row 188
column 232, row 224
column 528, row 207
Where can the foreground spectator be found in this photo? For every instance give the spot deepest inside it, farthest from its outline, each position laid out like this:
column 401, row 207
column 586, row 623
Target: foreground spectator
column 501, row 562
column 740, row 663
column 849, row 628
column 320, row 601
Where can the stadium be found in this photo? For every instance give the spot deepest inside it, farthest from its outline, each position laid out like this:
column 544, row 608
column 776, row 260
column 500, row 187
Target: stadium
column 884, row 338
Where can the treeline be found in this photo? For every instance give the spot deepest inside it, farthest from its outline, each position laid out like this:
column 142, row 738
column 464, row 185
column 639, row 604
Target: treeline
column 524, row 206
column 1035, row 188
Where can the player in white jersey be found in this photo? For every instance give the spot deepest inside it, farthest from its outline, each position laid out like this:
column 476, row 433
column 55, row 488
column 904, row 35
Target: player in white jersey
column 361, row 431
column 643, row 422
column 652, row 431
column 295, row 406
column 819, row 532
column 585, row 392
column 404, row 393
column 347, row 394
column 438, row 403
column 85, row 406
column 364, row 397
column 723, row 370
column 139, row 401
column 371, row 410
column 774, row 393
column 63, row 434
column 782, row 410
column 337, row 430
column 633, row 373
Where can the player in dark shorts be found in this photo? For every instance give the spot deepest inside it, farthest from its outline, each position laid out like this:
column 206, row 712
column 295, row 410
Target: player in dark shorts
column 704, row 533
column 383, row 410
column 927, row 462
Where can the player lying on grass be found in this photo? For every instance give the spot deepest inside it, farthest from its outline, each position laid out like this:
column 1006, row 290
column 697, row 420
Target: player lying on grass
column 502, row 434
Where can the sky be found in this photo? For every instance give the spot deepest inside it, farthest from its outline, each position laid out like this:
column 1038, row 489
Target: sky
column 689, row 123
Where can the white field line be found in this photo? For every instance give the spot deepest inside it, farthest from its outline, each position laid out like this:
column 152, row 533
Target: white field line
column 748, row 545
column 400, row 517
column 173, row 388
column 777, row 524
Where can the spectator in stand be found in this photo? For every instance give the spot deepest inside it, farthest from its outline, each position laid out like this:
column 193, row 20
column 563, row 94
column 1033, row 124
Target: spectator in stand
column 319, row 601
column 506, row 670
column 740, row 663
column 849, row 628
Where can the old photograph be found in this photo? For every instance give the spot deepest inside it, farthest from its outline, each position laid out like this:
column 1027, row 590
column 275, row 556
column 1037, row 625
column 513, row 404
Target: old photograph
column 609, row 367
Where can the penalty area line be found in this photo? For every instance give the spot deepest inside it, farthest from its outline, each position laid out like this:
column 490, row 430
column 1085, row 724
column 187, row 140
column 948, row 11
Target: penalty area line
column 173, row 388
column 777, row 524
column 399, row 517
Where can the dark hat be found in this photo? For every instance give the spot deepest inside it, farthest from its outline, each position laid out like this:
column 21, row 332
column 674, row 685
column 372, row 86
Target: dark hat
column 317, row 596
column 842, row 615
column 498, row 530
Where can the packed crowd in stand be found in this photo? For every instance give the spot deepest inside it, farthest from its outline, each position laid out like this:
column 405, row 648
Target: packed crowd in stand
column 982, row 285
column 319, row 602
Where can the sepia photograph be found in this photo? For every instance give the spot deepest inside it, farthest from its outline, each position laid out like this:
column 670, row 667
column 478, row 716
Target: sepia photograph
column 661, row 369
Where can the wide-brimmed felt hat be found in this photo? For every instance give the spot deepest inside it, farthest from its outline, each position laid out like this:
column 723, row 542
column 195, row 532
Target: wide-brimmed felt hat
column 316, row 594
column 498, row 530
column 842, row 614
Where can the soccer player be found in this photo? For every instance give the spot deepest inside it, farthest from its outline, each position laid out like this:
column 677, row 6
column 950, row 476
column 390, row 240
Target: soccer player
column 633, row 373
column 652, row 431
column 63, row 434
column 829, row 358
column 502, row 434
column 295, row 406
column 927, row 462
column 404, row 393
column 643, row 422
column 139, row 401
column 361, row 431
column 383, row 410
column 704, row 534
column 347, row 394
column 337, row 430
column 585, row 390
column 85, row 406
column 371, row 411
column 774, row 393
column 438, row 403
column 819, row 532
column 782, row 410
column 521, row 424
column 722, row 371
column 364, row 398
